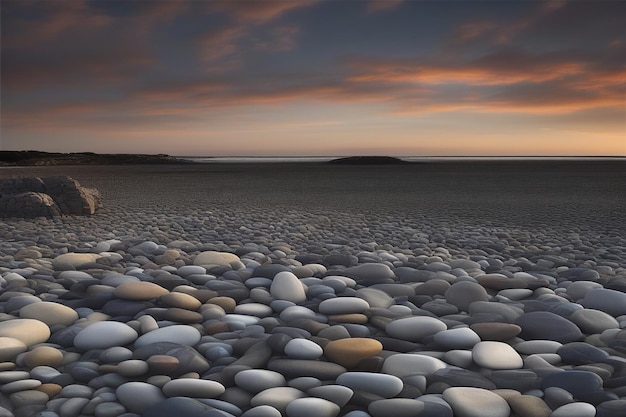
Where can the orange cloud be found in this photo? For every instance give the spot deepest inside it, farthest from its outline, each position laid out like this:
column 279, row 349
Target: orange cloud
column 257, row 12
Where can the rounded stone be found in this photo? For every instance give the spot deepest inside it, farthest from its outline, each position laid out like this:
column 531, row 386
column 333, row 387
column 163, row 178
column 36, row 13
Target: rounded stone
column 343, row 305
column 576, row 409
column 217, row 258
column 28, row 331
column 10, row 348
column 496, row 355
column 254, row 309
column 303, row 349
column 132, row 368
column 109, row 409
column 19, row 385
column 529, row 406
column 180, row 300
column 257, row 380
column 104, row 334
column 476, row 402
column 415, row 328
column 278, row 397
column 610, row 301
column 580, row 353
column 574, row 382
column 76, row 260
column 405, row 364
column 547, row 326
column 28, row 397
column 337, row 394
column 43, row 356
column 49, row 313
column 262, row 411
column 181, row 334
column 462, row 294
column 531, row 347
column 397, row 407
column 461, row 338
column 162, row 364
column 593, row 321
column 496, row 331
column 384, row 385
column 139, row 291
column 138, row 396
column 195, row 388
column 287, row 286
column 183, row 406
column 349, row 352
column 312, row 406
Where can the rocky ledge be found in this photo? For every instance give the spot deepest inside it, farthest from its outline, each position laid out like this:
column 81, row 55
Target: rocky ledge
column 46, row 197
column 12, row 158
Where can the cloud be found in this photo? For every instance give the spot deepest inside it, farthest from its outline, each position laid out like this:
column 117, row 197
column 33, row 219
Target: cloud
column 374, row 6
column 257, row 12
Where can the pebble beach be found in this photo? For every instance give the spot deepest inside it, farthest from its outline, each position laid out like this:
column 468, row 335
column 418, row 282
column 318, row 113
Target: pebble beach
column 444, row 289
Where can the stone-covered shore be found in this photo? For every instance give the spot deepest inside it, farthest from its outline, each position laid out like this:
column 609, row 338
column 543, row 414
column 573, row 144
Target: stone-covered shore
column 179, row 304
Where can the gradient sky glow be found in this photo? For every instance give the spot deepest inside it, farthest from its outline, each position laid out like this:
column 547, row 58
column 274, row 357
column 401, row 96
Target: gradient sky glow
column 314, row 77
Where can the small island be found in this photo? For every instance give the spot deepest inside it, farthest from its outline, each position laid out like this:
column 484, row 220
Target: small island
column 369, row 160
column 38, row 158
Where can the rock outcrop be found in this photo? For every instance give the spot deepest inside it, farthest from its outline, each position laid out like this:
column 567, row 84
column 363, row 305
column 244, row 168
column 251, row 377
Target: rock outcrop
column 46, row 197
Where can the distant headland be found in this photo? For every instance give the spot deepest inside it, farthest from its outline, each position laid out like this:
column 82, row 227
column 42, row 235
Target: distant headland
column 38, row 158
column 369, row 160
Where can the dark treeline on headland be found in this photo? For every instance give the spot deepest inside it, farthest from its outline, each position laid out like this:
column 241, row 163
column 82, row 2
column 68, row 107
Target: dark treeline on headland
column 38, row 158
column 369, row 160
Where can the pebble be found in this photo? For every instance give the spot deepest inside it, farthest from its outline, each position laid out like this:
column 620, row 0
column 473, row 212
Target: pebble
column 547, row 326
column 243, row 311
column 287, row 286
column 27, row 331
column 183, row 335
column 139, row 291
column 405, row 364
column 195, row 388
column 49, row 313
column 257, row 380
column 384, row 385
column 349, row 352
column 139, row 396
column 312, row 406
column 496, row 355
column 104, row 334
column 476, row 402
column 575, row 409
column 414, row 329
column 343, row 305
column 463, row 294
column 303, row 349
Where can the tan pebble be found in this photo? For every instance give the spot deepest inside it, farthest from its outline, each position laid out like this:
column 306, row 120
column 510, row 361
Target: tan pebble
column 348, row 318
column 180, row 300
column 43, row 356
column 529, row 406
column 10, row 348
column 107, row 368
column 139, row 291
column 227, row 303
column 50, row 389
column 162, row 363
column 349, row 352
column 216, row 327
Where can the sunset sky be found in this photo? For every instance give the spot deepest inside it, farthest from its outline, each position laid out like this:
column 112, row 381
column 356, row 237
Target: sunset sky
column 314, row 77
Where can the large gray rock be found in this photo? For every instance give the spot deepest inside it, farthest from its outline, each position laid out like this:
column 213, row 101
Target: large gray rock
column 46, row 197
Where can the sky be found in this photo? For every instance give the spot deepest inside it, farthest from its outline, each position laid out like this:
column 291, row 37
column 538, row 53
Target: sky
column 314, row 77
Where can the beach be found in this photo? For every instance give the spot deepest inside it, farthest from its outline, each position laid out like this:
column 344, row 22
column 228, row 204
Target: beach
column 265, row 289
